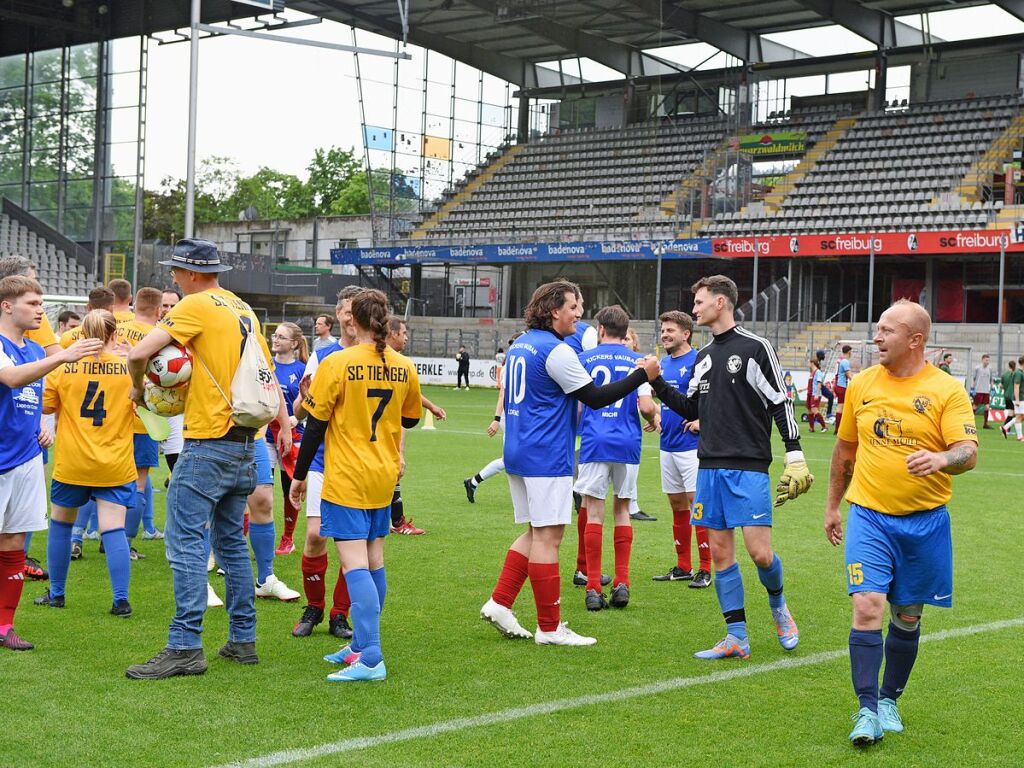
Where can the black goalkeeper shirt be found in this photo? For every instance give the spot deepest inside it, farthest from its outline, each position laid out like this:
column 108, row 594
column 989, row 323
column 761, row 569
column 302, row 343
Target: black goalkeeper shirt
column 736, row 391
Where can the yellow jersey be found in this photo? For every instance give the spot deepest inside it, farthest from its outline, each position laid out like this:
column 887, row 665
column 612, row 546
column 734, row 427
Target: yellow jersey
column 43, row 335
column 205, row 323
column 94, row 445
column 890, row 418
column 70, row 337
column 123, row 317
column 131, row 334
column 363, row 398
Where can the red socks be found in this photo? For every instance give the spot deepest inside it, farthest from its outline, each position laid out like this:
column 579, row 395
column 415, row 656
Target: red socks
column 839, row 418
column 581, row 552
column 314, row 571
column 592, row 537
column 12, row 580
column 547, row 589
column 681, row 537
column 623, row 540
column 703, row 547
column 245, row 523
column 342, row 602
column 291, row 516
column 511, row 579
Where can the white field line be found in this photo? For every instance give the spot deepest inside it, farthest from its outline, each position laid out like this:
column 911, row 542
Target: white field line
column 455, row 725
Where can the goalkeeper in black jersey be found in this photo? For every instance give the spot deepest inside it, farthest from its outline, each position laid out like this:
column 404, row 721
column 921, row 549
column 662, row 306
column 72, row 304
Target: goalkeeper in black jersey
column 736, row 390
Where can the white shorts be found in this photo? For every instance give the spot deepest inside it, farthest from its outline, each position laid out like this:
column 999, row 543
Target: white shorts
column 314, row 489
column 23, row 498
column 594, row 478
column 176, row 440
column 541, row 501
column 275, row 460
column 1018, row 409
column 679, row 472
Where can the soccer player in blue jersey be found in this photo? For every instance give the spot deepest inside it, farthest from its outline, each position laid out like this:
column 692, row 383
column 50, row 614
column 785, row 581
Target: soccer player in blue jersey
column 610, row 439
column 736, row 390
column 544, row 381
column 679, row 439
column 23, row 364
column 843, row 377
column 291, row 354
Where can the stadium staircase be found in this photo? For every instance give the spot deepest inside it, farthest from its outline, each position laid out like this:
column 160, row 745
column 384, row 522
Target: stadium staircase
column 707, row 169
column 1007, row 217
column 63, row 266
column 429, row 223
column 794, row 352
column 774, row 200
column 972, row 186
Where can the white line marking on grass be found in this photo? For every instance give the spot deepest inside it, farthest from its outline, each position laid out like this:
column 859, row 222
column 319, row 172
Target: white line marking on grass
column 559, row 705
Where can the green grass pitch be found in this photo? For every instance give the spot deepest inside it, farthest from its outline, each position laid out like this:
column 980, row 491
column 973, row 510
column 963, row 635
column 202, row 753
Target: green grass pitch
column 68, row 702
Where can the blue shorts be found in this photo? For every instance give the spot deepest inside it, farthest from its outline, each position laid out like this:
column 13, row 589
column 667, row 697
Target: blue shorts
column 352, row 523
column 147, row 451
column 731, row 498
column 74, row 496
column 264, row 472
column 908, row 558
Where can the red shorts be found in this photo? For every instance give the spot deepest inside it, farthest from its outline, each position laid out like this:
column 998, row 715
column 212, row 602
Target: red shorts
column 840, row 394
column 813, row 402
column 981, row 398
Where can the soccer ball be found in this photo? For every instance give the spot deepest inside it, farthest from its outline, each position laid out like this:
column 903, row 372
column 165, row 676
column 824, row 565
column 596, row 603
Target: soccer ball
column 170, row 367
column 163, row 401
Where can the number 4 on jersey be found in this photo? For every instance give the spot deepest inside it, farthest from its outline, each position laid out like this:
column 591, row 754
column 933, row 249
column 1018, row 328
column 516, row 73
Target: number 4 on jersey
column 92, row 404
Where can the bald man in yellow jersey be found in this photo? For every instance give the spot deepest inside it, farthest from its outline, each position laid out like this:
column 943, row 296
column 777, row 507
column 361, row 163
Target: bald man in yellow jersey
column 908, row 428
column 216, row 469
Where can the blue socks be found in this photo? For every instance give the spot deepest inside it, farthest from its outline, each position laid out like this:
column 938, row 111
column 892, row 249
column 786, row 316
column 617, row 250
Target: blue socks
column 115, row 546
column 58, row 555
column 381, row 583
column 28, row 541
column 263, row 540
column 133, row 515
column 900, row 654
column 147, row 510
column 771, row 577
column 865, row 664
column 87, row 518
column 365, row 615
column 729, row 586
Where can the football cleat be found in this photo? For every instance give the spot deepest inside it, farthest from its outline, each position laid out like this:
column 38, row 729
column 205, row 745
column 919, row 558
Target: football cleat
column 76, row 551
column 406, row 528
column 470, row 490
column 729, row 647
column 675, row 573
column 338, row 627
column 562, row 636
column 595, row 600
column 345, row 656
column 134, row 554
column 701, row 580
column 153, row 535
column 51, row 601
column 92, row 535
column 274, row 588
column 642, row 516
column 620, row 596
column 889, row 716
column 867, row 729
column 212, row 601
column 13, row 641
column 311, row 616
column 358, row 673
column 1005, row 431
column 579, row 579
column 785, row 627
column 286, row 547
column 122, row 609
column 34, row 571
column 504, row 621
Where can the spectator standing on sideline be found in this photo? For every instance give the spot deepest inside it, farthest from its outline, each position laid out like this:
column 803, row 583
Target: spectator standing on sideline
column 323, row 332
column 462, row 357
column 981, row 386
column 947, row 362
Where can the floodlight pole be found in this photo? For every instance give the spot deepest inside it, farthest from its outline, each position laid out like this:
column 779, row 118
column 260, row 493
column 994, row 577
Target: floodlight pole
column 871, row 290
column 753, row 290
column 193, row 99
column 659, row 251
column 999, row 308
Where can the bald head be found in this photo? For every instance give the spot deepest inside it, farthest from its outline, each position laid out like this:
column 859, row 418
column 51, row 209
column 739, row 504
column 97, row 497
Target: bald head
column 901, row 335
column 912, row 315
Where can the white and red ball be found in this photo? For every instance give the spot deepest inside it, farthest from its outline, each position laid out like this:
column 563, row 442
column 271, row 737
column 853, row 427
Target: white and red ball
column 170, row 367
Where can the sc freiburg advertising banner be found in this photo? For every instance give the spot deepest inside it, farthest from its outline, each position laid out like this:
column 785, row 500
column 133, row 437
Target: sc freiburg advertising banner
column 883, row 244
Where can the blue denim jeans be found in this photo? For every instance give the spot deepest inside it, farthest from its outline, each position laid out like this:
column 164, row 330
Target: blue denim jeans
column 209, row 487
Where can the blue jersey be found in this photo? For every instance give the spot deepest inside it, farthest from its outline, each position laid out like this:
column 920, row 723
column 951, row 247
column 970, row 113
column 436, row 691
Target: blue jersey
column 317, row 464
column 611, row 433
column 816, row 381
column 842, row 375
column 584, row 339
column 677, row 372
column 540, row 417
column 288, row 376
column 20, row 408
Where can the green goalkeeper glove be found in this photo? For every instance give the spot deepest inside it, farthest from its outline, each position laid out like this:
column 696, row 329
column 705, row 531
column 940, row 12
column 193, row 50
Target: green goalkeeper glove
column 796, row 478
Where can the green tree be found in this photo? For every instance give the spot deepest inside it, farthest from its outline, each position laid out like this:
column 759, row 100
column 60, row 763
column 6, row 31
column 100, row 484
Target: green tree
column 330, row 172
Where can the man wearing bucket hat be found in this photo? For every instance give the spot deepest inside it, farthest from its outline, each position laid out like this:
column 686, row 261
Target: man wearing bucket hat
column 215, row 471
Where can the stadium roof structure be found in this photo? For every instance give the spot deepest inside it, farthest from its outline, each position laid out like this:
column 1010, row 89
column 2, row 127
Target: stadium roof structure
column 508, row 38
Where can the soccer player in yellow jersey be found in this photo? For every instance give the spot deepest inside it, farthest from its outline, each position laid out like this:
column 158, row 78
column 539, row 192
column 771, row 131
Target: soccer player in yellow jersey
column 216, row 471
column 908, row 428
column 99, row 298
column 93, row 458
column 122, row 309
column 360, row 399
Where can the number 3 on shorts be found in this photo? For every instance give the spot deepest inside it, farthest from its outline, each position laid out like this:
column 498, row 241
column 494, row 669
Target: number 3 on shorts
column 855, row 574
column 698, row 511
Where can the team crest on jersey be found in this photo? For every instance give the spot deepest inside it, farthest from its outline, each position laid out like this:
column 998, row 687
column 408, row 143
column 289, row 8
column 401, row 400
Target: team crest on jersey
column 734, row 364
column 921, row 403
column 889, row 428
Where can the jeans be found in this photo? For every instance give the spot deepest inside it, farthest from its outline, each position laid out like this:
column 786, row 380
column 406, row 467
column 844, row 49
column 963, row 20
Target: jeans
column 209, row 487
